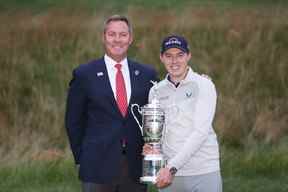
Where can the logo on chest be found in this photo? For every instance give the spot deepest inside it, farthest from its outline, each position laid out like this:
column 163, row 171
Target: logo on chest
column 164, row 98
column 188, row 94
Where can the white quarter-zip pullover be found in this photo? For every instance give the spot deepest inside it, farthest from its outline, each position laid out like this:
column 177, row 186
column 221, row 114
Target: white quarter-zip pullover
column 189, row 142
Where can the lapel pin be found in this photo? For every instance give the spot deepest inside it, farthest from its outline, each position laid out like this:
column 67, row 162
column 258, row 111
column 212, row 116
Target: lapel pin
column 99, row 74
column 137, row 72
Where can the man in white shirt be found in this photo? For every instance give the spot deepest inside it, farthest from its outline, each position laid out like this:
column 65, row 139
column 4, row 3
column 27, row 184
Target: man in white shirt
column 104, row 137
column 189, row 142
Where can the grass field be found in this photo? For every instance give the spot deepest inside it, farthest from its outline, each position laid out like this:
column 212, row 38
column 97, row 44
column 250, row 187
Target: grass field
column 243, row 50
column 241, row 45
column 96, row 5
column 261, row 170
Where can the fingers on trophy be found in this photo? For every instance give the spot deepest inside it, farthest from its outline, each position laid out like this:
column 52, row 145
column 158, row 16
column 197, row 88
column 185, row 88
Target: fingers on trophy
column 153, row 120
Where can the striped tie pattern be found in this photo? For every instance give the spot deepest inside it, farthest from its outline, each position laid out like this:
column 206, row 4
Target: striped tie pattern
column 121, row 95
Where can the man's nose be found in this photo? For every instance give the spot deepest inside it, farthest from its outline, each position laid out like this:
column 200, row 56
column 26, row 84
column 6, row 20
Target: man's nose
column 174, row 59
column 117, row 37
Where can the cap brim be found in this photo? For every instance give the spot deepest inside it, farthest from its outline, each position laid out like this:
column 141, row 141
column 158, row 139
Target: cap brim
column 175, row 46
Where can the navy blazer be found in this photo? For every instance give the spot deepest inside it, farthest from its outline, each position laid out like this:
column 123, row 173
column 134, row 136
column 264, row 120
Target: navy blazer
column 95, row 125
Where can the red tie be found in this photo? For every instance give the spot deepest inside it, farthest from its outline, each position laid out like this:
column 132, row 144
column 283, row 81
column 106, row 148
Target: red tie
column 121, row 95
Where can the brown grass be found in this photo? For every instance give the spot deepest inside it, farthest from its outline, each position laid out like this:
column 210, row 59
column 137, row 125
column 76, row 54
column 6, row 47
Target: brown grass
column 243, row 50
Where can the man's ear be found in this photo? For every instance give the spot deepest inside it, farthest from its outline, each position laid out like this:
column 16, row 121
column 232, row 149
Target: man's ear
column 131, row 39
column 161, row 57
column 103, row 37
column 189, row 56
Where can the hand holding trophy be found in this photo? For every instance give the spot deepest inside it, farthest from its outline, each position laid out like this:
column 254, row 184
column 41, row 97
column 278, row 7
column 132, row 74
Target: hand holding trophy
column 153, row 120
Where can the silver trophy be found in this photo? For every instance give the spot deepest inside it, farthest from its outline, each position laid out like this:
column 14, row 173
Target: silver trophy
column 152, row 127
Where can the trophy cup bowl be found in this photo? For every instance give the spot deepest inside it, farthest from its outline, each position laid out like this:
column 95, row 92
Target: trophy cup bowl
column 153, row 119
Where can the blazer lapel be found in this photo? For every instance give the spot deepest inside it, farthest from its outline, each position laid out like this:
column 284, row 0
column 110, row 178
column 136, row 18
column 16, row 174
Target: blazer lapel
column 134, row 73
column 102, row 74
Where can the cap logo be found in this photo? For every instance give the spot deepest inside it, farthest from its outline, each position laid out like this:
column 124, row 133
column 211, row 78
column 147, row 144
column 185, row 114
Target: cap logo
column 172, row 41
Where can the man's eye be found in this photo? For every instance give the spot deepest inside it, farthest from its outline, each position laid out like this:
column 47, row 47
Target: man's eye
column 124, row 34
column 111, row 34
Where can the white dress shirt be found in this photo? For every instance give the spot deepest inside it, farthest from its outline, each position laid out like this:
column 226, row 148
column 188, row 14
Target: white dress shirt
column 110, row 63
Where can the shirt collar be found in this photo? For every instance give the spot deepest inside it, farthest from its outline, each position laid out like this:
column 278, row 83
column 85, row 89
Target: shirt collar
column 189, row 77
column 169, row 79
column 111, row 63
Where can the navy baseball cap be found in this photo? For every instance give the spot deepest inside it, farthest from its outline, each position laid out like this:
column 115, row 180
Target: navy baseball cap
column 174, row 41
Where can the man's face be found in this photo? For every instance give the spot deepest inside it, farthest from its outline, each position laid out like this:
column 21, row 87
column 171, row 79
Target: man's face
column 116, row 39
column 176, row 63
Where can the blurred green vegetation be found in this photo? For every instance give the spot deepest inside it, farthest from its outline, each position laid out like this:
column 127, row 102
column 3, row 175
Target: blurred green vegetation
column 262, row 169
column 114, row 5
column 243, row 50
column 241, row 45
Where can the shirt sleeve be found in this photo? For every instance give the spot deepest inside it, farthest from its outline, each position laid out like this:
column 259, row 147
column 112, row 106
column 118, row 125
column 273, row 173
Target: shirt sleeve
column 204, row 114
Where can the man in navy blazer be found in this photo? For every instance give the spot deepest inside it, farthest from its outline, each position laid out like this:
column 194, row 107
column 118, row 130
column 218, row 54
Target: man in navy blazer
column 106, row 144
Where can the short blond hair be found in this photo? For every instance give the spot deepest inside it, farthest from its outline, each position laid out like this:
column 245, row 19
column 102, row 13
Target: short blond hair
column 117, row 18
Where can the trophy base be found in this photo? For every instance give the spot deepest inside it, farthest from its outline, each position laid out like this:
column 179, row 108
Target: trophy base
column 152, row 163
column 148, row 179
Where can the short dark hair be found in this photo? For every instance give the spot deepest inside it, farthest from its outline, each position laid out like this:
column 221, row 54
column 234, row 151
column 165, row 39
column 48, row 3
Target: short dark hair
column 118, row 18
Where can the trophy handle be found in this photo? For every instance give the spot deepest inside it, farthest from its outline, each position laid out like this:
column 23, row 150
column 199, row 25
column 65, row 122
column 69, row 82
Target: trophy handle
column 136, row 119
